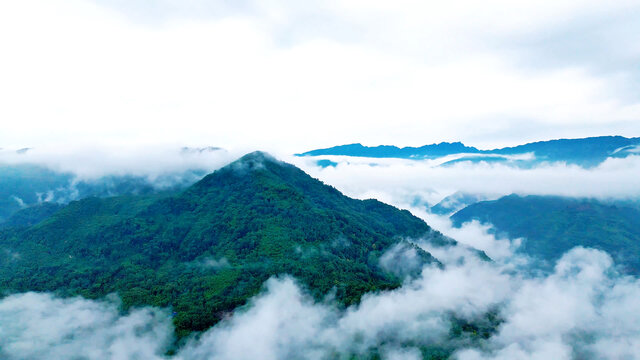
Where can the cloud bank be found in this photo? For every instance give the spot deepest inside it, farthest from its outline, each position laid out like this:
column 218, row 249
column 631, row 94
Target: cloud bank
column 90, row 162
column 581, row 309
column 407, row 182
column 292, row 76
column 41, row 326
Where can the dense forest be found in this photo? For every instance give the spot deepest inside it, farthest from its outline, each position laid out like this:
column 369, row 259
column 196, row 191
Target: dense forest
column 205, row 250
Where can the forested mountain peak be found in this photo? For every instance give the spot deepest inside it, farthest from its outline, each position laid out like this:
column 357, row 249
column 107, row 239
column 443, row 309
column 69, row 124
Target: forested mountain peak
column 253, row 163
column 206, row 250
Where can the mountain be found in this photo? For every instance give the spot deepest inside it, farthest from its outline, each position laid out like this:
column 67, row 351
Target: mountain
column 552, row 225
column 388, row 151
column 206, row 250
column 585, row 152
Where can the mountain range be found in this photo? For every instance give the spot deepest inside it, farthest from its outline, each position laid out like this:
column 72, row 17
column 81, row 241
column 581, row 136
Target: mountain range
column 585, row 152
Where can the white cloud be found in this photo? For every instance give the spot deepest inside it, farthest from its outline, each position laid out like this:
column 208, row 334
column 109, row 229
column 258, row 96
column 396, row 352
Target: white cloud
column 281, row 324
column 407, row 183
column 407, row 73
column 93, row 162
column 36, row 326
column 574, row 310
column 582, row 307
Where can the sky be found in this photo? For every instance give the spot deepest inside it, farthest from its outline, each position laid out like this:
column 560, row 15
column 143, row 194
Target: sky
column 288, row 76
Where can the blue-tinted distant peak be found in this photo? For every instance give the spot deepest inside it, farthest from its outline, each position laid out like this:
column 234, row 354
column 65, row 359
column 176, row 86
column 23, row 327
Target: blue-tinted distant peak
column 585, row 152
column 390, row 151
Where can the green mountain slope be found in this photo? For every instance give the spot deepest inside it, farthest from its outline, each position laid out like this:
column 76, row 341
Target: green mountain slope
column 552, row 225
column 206, row 250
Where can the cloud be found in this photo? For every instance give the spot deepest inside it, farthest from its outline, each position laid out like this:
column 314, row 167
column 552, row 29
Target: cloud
column 289, row 76
column 577, row 310
column 473, row 234
column 407, row 183
column 36, row 326
column 582, row 308
column 213, row 264
column 63, row 174
column 19, row 201
column 281, row 324
column 402, row 260
column 90, row 162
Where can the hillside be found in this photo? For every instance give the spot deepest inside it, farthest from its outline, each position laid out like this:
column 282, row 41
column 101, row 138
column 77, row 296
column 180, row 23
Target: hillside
column 553, row 225
column 206, row 250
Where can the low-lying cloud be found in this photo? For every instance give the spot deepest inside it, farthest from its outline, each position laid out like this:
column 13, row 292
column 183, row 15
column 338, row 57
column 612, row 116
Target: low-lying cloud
column 581, row 309
column 405, row 182
column 64, row 174
column 41, row 326
column 93, row 162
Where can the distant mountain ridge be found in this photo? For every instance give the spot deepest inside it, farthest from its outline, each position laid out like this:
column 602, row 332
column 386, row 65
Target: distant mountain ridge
column 390, row 151
column 585, row 151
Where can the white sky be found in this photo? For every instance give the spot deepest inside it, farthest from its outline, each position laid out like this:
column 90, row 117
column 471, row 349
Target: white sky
column 292, row 76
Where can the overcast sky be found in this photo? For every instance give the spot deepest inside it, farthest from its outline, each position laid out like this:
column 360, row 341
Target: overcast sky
column 291, row 75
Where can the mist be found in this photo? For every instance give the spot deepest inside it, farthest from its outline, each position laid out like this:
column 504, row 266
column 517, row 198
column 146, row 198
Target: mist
column 405, row 182
column 93, row 162
column 63, row 174
column 583, row 308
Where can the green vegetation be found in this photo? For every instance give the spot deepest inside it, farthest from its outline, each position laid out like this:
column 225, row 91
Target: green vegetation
column 31, row 215
column 206, row 250
column 553, row 225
